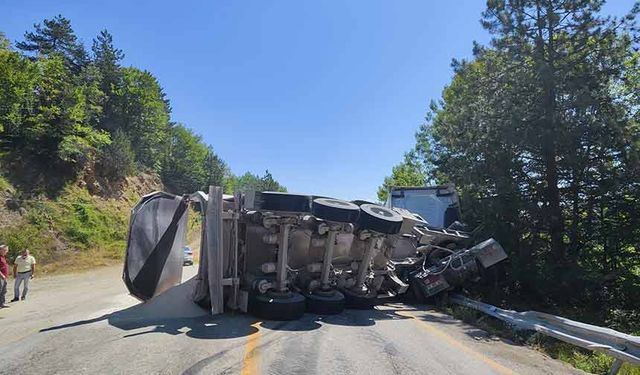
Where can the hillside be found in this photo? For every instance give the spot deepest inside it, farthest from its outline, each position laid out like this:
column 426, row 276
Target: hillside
column 82, row 137
column 76, row 230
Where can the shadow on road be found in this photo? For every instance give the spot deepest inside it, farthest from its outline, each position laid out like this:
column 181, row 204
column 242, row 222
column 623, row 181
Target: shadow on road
column 364, row 318
column 468, row 329
column 174, row 313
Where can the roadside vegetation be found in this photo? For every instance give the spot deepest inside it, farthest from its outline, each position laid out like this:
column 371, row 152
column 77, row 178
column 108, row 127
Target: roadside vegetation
column 82, row 137
column 75, row 231
column 583, row 359
column 540, row 133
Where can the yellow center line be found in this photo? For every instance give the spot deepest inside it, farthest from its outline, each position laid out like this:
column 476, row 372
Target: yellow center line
column 251, row 360
column 458, row 345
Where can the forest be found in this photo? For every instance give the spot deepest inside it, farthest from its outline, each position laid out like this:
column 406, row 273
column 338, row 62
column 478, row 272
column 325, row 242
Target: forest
column 69, row 112
column 82, row 137
column 540, row 133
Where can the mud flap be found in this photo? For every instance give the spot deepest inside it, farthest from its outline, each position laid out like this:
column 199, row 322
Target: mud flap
column 154, row 257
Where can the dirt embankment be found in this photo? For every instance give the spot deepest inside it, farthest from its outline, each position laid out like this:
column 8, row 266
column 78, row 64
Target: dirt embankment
column 78, row 229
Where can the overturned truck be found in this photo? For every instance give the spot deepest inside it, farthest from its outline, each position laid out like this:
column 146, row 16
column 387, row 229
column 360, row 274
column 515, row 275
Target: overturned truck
column 278, row 255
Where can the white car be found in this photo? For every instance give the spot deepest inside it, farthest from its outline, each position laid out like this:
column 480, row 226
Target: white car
column 188, row 256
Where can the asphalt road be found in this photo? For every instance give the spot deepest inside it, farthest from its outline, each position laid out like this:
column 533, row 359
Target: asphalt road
column 88, row 324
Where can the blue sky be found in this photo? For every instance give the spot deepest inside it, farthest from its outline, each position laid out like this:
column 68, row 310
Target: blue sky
column 326, row 95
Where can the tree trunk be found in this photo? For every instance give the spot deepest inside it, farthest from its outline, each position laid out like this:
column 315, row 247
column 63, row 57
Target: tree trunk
column 555, row 219
column 546, row 61
column 574, row 234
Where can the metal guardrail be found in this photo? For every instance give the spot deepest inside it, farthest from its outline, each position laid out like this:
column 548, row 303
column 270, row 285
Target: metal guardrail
column 623, row 347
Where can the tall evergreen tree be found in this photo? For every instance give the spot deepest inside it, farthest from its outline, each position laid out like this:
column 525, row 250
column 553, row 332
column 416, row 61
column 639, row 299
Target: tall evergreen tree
column 573, row 55
column 105, row 55
column 56, row 37
column 107, row 59
column 268, row 183
column 539, row 131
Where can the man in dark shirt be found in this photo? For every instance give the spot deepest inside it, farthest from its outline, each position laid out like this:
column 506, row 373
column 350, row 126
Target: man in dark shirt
column 4, row 274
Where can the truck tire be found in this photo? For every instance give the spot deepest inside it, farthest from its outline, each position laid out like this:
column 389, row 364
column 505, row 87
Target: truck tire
column 325, row 303
column 335, row 210
column 275, row 306
column 359, row 301
column 277, row 201
column 379, row 219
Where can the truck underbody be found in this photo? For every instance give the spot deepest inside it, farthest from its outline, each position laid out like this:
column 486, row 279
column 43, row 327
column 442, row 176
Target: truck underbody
column 279, row 255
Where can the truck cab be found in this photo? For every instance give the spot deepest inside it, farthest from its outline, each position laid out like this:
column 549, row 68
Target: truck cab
column 438, row 205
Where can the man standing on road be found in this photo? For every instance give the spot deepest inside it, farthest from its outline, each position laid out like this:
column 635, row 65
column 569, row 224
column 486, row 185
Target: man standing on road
column 4, row 275
column 24, row 268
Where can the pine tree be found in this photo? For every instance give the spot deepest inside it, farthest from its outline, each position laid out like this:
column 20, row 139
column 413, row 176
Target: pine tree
column 107, row 59
column 105, row 55
column 268, row 183
column 56, row 37
column 539, row 132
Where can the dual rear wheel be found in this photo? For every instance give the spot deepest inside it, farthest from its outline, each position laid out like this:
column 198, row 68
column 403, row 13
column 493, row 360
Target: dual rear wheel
column 291, row 305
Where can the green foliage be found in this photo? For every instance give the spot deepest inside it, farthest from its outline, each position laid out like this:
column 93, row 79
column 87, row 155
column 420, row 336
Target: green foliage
column 4, row 42
column 117, row 160
column 75, row 223
column 46, row 118
column 583, row 359
column 55, row 108
column 216, row 169
column 268, row 183
column 67, row 116
column 106, row 58
column 62, row 112
column 56, row 37
column 250, row 181
column 18, row 76
column 5, row 186
column 143, row 114
column 408, row 173
column 87, row 223
column 190, row 165
column 539, row 132
column 229, row 184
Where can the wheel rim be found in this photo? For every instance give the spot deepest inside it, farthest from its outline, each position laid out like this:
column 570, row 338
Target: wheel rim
column 379, row 219
column 335, row 210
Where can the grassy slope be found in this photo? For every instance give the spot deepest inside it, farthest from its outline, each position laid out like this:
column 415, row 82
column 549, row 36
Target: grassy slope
column 75, row 231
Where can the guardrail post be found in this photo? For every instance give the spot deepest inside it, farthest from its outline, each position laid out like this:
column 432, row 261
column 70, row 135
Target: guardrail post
column 615, row 367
